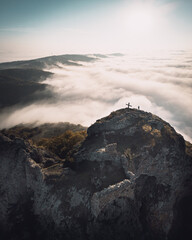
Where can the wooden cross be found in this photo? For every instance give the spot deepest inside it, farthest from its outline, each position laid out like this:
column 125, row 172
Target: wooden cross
column 128, row 105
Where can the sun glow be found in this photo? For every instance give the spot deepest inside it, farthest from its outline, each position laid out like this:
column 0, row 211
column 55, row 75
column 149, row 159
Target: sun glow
column 143, row 25
column 140, row 21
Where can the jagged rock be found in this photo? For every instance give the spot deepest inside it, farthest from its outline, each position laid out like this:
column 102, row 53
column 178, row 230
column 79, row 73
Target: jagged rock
column 132, row 180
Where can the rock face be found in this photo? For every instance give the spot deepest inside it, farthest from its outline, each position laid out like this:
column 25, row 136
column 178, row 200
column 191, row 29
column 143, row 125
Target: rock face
column 132, row 180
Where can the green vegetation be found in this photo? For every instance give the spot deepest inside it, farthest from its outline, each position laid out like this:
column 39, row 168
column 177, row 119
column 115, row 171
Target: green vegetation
column 26, row 74
column 128, row 153
column 22, row 131
column 23, row 86
column 188, row 148
column 47, row 130
column 62, row 139
column 147, row 128
column 14, row 91
column 63, row 145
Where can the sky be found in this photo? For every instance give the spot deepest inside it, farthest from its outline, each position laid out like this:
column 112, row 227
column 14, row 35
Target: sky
column 30, row 29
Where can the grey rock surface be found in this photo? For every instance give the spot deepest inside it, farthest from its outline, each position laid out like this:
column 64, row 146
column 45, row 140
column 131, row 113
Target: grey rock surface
column 132, row 180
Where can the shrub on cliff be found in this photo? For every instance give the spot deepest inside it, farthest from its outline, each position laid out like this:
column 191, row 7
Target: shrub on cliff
column 64, row 144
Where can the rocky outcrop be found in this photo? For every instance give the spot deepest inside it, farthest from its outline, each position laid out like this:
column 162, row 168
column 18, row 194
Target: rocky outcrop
column 132, row 180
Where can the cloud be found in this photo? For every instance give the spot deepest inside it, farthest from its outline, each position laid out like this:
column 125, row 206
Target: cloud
column 85, row 93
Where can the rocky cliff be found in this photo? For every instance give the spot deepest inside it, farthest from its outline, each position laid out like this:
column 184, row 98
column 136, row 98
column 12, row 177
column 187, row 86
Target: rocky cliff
column 132, row 179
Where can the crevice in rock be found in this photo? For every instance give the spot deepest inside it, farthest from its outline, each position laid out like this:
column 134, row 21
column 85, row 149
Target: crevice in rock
column 182, row 223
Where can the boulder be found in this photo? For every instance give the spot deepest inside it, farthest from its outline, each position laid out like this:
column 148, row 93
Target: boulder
column 132, row 180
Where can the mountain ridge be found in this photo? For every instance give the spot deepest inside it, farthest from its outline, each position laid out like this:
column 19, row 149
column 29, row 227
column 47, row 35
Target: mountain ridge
column 44, row 62
column 21, row 82
column 131, row 180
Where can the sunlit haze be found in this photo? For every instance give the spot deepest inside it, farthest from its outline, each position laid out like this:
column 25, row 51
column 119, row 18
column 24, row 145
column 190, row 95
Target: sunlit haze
column 38, row 28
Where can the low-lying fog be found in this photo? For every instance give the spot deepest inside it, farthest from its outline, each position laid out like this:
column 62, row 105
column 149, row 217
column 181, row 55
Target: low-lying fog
column 161, row 84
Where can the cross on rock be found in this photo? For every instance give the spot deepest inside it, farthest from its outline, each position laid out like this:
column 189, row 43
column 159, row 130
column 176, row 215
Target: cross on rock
column 128, row 105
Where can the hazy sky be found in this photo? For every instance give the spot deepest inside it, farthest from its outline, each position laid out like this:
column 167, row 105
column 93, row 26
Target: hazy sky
column 45, row 27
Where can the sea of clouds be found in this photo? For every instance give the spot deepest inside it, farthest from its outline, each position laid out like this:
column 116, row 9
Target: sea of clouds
column 158, row 83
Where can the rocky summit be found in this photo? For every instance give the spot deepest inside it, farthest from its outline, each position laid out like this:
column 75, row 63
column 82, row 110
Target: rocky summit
column 131, row 179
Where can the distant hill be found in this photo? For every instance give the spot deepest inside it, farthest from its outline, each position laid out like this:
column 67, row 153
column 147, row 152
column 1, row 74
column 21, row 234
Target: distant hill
column 26, row 74
column 19, row 91
column 21, row 81
column 47, row 62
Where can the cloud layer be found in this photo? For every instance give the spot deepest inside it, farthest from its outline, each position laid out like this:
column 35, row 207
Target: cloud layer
column 159, row 83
